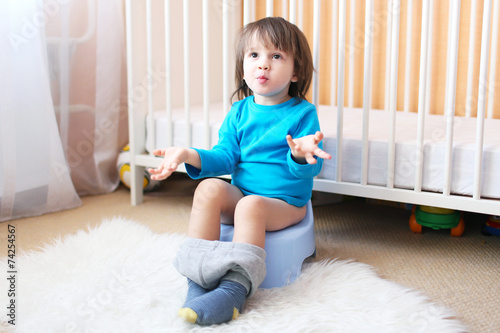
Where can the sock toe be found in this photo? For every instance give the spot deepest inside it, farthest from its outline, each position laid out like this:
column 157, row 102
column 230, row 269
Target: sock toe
column 188, row 315
column 236, row 313
column 218, row 306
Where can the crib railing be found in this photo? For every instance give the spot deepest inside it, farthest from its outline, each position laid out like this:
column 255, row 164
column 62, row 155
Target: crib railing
column 294, row 11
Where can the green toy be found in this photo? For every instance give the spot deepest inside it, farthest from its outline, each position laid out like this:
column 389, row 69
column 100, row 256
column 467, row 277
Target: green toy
column 437, row 218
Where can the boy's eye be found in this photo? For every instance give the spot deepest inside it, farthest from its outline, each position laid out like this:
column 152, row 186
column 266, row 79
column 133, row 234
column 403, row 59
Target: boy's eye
column 276, row 56
column 253, row 55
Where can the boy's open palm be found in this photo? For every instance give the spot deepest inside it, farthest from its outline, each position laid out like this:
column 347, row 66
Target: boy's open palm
column 172, row 158
column 306, row 147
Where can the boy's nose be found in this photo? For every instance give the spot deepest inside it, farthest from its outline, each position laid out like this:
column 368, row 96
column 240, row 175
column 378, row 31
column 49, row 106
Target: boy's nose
column 264, row 67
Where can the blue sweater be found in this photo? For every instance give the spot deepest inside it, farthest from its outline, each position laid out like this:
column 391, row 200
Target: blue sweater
column 252, row 148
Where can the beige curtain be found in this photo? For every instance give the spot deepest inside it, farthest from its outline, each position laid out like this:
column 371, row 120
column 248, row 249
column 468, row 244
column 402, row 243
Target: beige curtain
column 62, row 105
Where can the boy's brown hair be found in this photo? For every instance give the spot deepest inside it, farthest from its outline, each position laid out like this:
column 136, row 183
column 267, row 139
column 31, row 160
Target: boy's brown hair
column 283, row 35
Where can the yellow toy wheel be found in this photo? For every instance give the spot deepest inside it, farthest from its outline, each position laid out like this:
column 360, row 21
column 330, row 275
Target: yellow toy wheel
column 436, row 210
column 459, row 229
column 414, row 226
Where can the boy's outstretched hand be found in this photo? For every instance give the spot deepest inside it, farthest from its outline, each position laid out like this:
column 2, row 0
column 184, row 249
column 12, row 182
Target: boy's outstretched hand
column 304, row 148
column 173, row 157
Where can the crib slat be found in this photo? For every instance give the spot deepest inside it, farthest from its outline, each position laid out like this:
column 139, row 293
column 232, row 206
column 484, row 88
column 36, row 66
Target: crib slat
column 316, row 49
column 428, row 75
column 448, row 39
column 334, row 52
column 168, row 71
column 424, row 44
column 470, row 58
column 187, row 110
column 284, row 9
column 149, row 66
column 494, row 60
column 300, row 11
column 388, row 55
column 366, row 88
column 293, row 11
column 340, row 85
column 137, row 126
column 352, row 29
column 409, row 30
column 451, row 83
column 391, row 151
column 247, row 11
column 206, row 74
column 135, row 195
column 481, row 103
column 269, row 8
column 458, row 202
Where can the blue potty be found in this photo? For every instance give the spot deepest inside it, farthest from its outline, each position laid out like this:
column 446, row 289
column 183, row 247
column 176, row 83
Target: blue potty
column 286, row 250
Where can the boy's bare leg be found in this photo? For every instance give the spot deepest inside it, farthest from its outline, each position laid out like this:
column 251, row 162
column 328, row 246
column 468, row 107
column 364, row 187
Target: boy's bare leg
column 214, row 199
column 254, row 215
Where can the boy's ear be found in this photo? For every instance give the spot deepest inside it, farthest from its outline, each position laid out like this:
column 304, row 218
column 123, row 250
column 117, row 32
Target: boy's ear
column 295, row 78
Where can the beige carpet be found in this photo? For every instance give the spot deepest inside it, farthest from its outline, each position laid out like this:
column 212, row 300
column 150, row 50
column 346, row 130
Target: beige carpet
column 461, row 273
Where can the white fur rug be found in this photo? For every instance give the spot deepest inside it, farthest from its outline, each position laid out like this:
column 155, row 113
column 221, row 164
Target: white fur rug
column 119, row 277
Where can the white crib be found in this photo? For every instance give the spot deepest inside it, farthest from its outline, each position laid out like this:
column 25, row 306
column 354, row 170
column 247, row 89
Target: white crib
column 408, row 155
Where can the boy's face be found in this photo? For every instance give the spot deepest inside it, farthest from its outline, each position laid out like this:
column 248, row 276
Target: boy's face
column 268, row 73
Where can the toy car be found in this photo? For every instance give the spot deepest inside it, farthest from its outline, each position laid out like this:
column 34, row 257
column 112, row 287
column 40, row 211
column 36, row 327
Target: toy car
column 492, row 226
column 436, row 218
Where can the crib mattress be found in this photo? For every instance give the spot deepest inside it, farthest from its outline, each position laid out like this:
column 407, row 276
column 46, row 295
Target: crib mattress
column 462, row 173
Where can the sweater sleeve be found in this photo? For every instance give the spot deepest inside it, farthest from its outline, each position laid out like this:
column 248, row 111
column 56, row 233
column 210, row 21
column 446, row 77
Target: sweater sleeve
column 307, row 125
column 223, row 157
column 304, row 170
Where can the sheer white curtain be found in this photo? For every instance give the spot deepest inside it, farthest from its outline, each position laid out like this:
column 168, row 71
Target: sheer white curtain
column 62, row 105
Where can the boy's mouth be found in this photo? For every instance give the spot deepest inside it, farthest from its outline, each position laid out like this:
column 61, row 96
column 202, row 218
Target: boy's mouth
column 262, row 79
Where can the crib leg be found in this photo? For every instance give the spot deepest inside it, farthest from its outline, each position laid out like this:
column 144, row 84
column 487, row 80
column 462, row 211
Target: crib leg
column 136, row 184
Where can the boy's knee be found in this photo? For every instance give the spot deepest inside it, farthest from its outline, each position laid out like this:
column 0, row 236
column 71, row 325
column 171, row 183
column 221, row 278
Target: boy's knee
column 251, row 204
column 209, row 189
